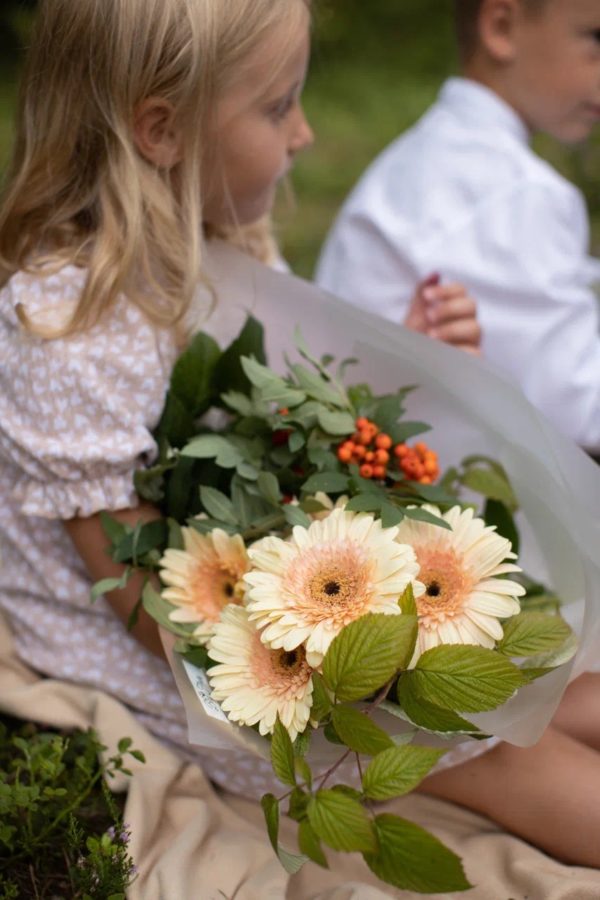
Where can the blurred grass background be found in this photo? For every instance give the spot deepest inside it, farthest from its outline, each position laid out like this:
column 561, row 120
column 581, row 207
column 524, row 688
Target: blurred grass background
column 376, row 67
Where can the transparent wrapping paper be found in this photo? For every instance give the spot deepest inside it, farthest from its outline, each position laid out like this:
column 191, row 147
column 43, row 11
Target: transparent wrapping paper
column 473, row 410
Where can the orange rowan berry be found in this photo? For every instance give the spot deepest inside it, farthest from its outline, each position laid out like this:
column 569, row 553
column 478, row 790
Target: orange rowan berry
column 425, row 480
column 379, row 471
column 400, row 451
column 383, row 441
column 369, row 456
column 366, row 471
column 382, row 457
column 421, row 448
column 284, row 411
column 344, row 454
column 365, row 437
column 358, row 451
column 430, row 466
column 361, row 423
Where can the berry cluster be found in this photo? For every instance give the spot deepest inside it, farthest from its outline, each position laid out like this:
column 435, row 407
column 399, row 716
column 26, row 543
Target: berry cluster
column 418, row 463
column 372, row 450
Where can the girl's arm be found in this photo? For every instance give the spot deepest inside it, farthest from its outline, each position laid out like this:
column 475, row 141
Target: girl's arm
column 93, row 546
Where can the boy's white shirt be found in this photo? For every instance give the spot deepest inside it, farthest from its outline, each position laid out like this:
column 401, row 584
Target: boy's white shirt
column 462, row 193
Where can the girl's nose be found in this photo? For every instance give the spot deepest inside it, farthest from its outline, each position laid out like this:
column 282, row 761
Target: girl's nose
column 303, row 136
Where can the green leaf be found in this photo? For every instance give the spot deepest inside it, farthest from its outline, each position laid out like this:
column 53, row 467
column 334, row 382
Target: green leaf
column 192, row 378
column 406, row 430
column 213, row 446
column 341, row 822
column 302, row 742
column 298, row 804
column 465, row 678
column 329, row 482
column 291, row 862
column 491, row 484
column 391, row 515
column 229, row 374
column 366, row 654
column 106, row 585
column 499, row 514
column 367, row 502
column 282, row 754
column 531, row 633
column 159, row 610
column 124, row 745
column 398, row 770
column 296, row 441
column 358, row 732
column 197, row 656
column 296, row 516
column 238, row 402
column 272, row 388
column 422, row 515
column 270, row 807
column 218, row 505
column 310, row 844
column 317, row 387
column 321, row 702
column 336, row 423
column 413, row 860
column 407, row 602
column 304, row 772
column 429, row 716
column 115, row 531
column 268, row 485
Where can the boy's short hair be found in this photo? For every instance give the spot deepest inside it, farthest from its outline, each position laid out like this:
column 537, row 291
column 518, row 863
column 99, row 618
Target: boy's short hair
column 466, row 17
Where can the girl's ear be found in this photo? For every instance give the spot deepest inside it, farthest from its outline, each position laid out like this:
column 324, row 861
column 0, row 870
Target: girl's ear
column 498, row 23
column 156, row 134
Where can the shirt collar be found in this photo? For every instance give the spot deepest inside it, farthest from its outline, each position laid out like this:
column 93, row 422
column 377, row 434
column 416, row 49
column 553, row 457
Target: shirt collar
column 472, row 100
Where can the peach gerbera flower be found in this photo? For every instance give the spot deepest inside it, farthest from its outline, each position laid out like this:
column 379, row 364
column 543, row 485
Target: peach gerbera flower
column 253, row 683
column 306, row 589
column 204, row 577
column 464, row 597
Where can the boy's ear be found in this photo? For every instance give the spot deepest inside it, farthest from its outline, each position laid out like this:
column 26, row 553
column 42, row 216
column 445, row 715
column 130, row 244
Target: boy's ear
column 498, row 20
column 156, row 134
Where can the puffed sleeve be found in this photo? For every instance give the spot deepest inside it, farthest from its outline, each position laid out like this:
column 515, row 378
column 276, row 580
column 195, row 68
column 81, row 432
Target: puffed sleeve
column 77, row 413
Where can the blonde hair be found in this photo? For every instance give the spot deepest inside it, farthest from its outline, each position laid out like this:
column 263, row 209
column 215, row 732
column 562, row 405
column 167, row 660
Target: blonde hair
column 77, row 191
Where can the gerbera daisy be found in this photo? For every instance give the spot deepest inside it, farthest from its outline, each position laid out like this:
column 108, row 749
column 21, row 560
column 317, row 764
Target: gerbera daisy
column 464, row 596
column 253, row 683
column 204, row 577
column 306, row 589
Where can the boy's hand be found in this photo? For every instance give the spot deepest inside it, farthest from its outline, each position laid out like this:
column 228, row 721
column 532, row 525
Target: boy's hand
column 445, row 312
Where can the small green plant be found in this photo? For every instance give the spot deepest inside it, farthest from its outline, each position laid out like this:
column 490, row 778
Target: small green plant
column 61, row 831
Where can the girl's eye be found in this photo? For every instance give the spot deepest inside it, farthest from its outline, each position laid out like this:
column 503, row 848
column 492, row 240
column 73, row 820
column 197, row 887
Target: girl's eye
column 281, row 109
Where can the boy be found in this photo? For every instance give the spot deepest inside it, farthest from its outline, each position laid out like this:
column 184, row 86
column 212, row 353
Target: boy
column 462, row 193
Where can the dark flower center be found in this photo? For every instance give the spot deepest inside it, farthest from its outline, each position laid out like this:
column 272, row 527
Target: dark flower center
column 332, row 588
column 433, row 589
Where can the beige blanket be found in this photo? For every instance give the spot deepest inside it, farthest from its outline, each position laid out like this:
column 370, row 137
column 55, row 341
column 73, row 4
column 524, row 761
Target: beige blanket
column 192, row 842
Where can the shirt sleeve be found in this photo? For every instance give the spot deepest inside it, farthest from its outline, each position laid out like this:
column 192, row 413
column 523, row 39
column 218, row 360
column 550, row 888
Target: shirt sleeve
column 522, row 254
column 77, row 413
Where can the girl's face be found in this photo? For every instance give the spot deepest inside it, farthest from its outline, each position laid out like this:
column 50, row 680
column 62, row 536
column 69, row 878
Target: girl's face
column 259, row 128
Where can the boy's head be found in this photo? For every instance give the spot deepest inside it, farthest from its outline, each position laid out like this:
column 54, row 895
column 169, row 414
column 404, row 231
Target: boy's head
column 541, row 56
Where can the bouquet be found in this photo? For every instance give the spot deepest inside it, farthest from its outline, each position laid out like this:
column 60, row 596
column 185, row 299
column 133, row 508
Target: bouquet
column 335, row 598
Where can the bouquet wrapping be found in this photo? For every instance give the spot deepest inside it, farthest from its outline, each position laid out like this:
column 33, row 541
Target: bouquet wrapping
column 308, row 546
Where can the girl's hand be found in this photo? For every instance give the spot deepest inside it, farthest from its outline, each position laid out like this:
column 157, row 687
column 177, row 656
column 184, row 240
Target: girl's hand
column 445, row 312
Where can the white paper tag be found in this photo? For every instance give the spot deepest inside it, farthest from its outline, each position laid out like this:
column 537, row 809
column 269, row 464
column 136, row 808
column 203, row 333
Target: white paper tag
column 201, row 685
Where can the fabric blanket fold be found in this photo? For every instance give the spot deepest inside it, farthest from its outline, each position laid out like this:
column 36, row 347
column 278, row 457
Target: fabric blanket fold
column 193, row 842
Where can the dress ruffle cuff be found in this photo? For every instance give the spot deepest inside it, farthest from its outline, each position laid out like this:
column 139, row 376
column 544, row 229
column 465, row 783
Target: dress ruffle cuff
column 69, row 499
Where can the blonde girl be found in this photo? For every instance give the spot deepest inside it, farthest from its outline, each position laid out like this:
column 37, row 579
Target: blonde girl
column 145, row 128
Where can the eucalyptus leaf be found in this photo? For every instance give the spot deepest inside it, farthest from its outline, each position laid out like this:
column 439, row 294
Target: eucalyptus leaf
column 336, row 423
column 296, row 516
column 217, row 447
column 268, row 485
column 218, row 505
column 329, row 482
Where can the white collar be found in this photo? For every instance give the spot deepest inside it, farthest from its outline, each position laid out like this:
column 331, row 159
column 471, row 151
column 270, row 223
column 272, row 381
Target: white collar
column 472, row 100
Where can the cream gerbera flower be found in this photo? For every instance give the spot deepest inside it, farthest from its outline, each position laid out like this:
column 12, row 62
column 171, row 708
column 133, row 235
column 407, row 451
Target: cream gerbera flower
column 464, row 597
column 204, row 577
column 306, row 589
column 253, row 683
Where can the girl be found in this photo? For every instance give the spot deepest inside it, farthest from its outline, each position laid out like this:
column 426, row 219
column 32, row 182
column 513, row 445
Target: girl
column 145, row 127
